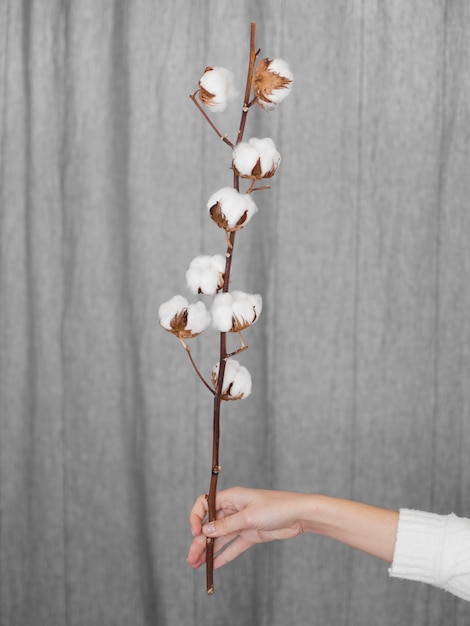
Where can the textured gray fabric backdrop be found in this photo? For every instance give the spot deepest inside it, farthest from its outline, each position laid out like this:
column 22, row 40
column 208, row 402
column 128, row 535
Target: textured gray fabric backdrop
column 360, row 361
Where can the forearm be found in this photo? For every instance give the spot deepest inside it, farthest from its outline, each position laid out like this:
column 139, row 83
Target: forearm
column 367, row 528
column 254, row 516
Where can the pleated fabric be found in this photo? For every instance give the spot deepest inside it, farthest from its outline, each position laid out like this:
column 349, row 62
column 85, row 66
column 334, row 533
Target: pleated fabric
column 360, row 249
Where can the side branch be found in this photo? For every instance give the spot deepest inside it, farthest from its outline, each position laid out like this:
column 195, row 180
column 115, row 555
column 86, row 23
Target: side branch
column 209, row 121
column 196, row 369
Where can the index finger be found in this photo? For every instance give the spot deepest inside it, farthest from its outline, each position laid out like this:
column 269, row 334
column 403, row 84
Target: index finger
column 197, row 514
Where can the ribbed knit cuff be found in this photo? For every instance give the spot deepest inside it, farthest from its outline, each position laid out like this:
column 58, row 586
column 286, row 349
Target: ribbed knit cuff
column 419, row 546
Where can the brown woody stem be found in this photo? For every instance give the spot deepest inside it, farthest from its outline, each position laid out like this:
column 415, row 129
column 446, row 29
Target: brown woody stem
column 249, row 81
column 215, row 468
column 211, row 497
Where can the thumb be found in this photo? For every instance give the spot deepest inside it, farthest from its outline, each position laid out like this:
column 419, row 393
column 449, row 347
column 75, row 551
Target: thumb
column 225, row 526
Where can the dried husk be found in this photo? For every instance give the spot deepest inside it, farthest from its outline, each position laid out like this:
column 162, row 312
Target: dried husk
column 178, row 325
column 219, row 218
column 265, row 82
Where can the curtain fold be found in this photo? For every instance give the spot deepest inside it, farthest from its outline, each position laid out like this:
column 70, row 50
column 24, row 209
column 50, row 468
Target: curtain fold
column 360, row 360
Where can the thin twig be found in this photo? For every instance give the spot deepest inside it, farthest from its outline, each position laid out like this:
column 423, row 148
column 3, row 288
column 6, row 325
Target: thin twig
column 188, row 352
column 209, row 121
column 242, row 349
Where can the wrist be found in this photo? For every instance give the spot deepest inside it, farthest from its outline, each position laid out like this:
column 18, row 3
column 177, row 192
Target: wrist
column 311, row 513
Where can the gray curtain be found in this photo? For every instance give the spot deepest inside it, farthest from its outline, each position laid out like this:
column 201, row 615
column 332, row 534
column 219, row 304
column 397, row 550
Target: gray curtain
column 360, row 360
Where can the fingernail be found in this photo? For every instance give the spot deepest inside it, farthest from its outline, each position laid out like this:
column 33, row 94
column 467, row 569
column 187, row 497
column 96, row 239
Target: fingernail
column 208, row 529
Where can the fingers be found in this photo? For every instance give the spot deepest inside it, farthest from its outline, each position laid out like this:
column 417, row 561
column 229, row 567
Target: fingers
column 197, row 551
column 197, row 514
column 228, row 502
column 230, row 520
column 235, row 547
column 224, row 526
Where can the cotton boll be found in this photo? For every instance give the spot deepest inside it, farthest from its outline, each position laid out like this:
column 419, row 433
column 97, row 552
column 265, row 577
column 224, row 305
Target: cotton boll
column 217, row 88
column 205, row 274
column 230, row 209
column 272, row 83
column 169, row 309
column 237, row 380
column 235, row 311
column 256, row 159
column 182, row 319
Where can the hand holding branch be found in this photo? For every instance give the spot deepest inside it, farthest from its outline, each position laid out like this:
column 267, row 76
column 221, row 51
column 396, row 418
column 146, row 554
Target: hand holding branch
column 246, row 517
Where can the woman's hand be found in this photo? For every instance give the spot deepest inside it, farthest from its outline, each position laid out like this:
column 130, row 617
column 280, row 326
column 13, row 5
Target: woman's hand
column 244, row 517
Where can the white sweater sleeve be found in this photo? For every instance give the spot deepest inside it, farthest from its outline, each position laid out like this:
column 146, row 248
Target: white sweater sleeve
column 433, row 549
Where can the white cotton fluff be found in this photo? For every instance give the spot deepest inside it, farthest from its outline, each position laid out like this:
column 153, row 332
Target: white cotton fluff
column 237, row 379
column 233, row 205
column 244, row 158
column 170, row 308
column 205, row 274
column 246, row 307
column 198, row 315
column 246, row 155
column 279, row 66
column 235, row 309
column 198, row 318
column 222, row 312
column 269, row 156
column 220, row 83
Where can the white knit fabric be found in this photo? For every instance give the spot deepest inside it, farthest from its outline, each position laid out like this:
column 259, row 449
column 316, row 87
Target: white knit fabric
column 433, row 549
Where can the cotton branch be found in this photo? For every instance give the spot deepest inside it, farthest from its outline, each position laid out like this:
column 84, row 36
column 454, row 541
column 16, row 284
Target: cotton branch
column 223, row 340
column 231, row 210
